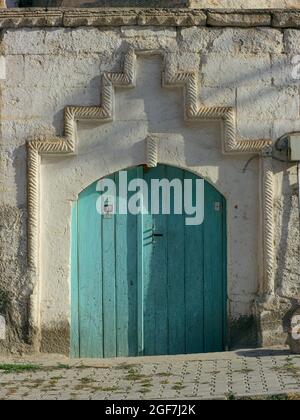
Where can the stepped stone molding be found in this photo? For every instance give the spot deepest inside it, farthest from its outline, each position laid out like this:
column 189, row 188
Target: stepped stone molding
column 185, row 17
column 193, row 111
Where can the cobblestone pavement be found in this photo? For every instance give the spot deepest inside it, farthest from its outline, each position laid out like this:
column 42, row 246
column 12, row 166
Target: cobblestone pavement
column 222, row 375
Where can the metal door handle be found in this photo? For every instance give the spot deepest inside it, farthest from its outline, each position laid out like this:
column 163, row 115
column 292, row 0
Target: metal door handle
column 157, row 234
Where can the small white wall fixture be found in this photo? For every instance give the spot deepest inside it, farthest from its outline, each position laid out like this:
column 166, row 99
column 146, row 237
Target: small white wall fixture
column 194, row 111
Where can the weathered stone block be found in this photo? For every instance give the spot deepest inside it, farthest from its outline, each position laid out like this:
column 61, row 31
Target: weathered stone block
column 285, row 70
column 54, row 71
column 226, row 70
column 267, row 103
column 197, row 39
column 46, row 103
column 27, row 41
column 211, row 96
column 15, row 70
column 132, row 32
column 281, row 127
column 238, row 19
column 82, row 40
column 251, row 41
column 54, row 41
column 150, row 38
column 292, row 41
column 184, row 62
column 254, row 129
column 16, row 133
column 286, row 19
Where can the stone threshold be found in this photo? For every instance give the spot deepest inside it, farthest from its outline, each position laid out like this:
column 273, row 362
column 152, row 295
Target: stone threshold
column 115, row 17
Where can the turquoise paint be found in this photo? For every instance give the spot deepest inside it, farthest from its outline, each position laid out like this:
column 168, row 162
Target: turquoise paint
column 176, row 287
column 135, row 294
column 90, row 273
column 194, row 284
column 108, row 242
column 141, row 242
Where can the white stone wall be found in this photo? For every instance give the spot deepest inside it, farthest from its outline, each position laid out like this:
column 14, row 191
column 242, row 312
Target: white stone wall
column 48, row 69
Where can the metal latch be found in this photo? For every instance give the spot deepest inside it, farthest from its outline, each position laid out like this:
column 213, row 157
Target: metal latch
column 218, row 206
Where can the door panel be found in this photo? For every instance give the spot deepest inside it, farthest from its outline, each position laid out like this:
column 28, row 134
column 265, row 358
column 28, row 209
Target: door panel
column 155, row 278
column 126, row 281
column 176, row 298
column 90, row 274
column 148, row 284
column 194, row 283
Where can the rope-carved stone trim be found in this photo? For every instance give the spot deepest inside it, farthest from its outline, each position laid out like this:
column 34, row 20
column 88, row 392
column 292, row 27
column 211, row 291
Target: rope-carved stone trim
column 268, row 288
column 152, row 151
column 193, row 111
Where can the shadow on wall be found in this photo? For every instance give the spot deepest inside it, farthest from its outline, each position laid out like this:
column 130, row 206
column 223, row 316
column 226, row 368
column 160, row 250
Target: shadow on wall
column 288, row 272
column 287, row 209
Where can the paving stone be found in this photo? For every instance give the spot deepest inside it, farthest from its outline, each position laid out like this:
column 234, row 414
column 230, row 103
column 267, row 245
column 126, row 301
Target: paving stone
column 175, row 379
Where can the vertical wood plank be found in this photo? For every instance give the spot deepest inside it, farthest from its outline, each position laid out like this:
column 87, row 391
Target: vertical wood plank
column 126, row 279
column 75, row 350
column 156, row 296
column 122, row 290
column 194, row 279
column 140, row 274
column 149, row 292
column 109, row 283
column 176, row 274
column 90, row 274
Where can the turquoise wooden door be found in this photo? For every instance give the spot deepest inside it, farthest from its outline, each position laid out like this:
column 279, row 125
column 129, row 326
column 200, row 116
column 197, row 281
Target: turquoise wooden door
column 148, row 284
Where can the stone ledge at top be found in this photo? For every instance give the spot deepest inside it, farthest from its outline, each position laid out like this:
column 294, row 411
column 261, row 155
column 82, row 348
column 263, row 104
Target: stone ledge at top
column 196, row 4
column 167, row 17
column 244, row 4
column 111, row 3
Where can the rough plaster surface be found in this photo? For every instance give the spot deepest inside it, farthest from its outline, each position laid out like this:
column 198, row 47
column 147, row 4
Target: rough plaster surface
column 48, row 69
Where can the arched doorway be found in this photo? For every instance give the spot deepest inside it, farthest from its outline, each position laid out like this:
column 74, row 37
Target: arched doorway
column 148, row 284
